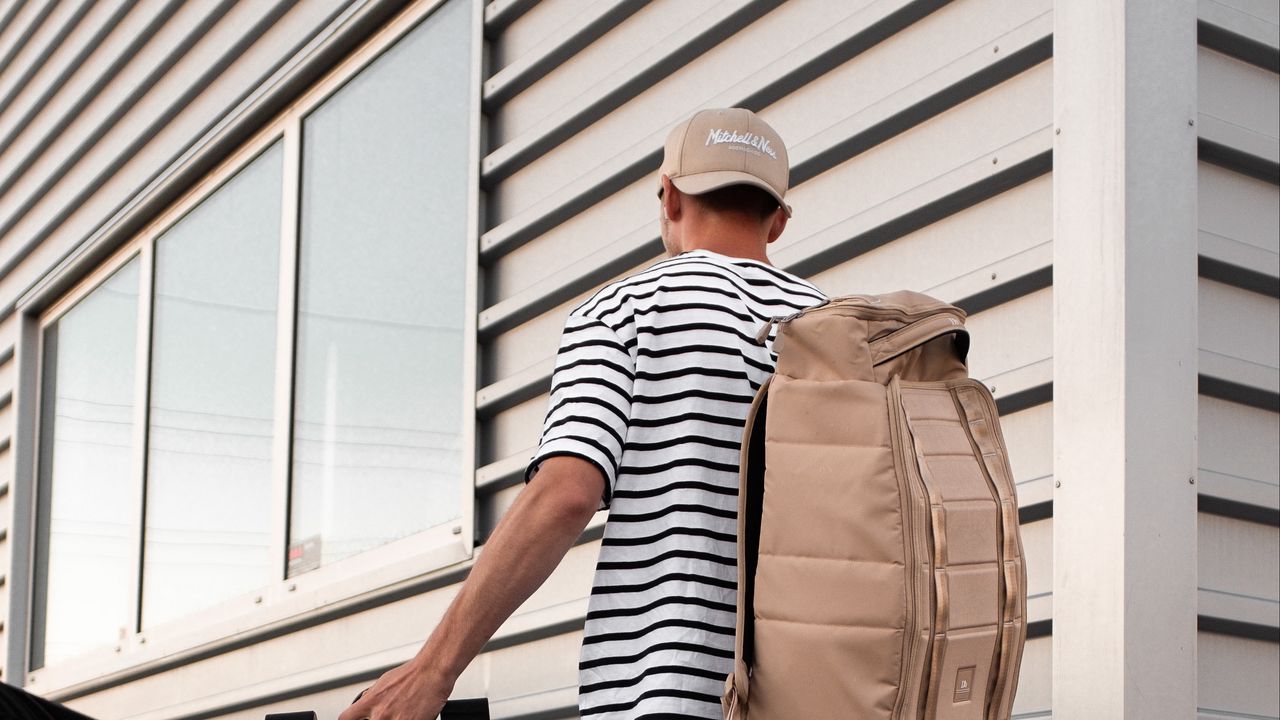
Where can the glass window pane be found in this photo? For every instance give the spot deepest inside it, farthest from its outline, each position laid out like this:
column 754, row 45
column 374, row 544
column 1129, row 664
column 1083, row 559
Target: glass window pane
column 86, row 494
column 212, row 377
column 378, row 396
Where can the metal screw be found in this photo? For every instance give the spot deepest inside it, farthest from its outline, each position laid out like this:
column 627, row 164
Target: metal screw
column 993, row 389
column 1057, row 483
column 1191, row 480
column 1057, row 131
column 142, row 640
column 257, row 600
column 993, row 276
column 995, row 160
column 995, row 49
column 293, row 586
column 1191, row 122
column 457, row 530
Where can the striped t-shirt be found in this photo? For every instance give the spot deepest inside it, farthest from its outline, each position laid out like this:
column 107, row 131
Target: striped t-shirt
column 652, row 384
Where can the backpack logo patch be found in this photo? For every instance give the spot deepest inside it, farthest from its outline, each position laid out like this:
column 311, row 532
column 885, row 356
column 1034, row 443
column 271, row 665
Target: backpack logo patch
column 964, row 684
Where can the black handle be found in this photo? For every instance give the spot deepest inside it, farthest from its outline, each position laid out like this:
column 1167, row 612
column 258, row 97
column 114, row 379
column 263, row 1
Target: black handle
column 468, row 709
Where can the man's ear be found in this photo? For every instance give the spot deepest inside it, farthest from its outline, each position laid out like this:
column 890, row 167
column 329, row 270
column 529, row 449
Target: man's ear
column 777, row 224
column 671, row 199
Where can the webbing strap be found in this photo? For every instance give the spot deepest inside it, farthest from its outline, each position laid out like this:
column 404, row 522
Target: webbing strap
column 748, row 544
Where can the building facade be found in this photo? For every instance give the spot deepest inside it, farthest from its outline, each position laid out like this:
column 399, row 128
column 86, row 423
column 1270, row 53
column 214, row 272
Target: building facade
column 281, row 284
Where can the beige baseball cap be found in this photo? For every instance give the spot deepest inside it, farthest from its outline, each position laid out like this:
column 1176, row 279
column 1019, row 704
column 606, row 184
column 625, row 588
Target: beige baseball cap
column 726, row 146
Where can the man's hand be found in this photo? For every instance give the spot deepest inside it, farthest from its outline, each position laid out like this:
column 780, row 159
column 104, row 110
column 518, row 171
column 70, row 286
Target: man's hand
column 528, row 543
column 408, row 692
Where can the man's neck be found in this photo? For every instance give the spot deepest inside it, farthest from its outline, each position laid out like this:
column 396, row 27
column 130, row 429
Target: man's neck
column 729, row 238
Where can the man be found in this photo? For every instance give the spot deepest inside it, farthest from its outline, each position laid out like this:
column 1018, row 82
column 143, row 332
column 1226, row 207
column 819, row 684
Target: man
column 653, row 381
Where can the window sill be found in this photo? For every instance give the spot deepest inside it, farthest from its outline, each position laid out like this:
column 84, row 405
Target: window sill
column 429, row 559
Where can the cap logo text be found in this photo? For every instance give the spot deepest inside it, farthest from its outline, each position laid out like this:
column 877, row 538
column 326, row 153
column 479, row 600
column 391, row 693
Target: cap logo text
column 747, row 140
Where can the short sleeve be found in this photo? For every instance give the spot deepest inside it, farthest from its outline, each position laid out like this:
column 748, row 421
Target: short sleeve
column 590, row 403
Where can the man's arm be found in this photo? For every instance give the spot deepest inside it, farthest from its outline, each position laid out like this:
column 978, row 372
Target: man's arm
column 528, row 543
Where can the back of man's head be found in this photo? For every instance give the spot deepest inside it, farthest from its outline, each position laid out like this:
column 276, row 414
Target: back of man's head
column 744, row 200
column 727, row 149
column 726, row 171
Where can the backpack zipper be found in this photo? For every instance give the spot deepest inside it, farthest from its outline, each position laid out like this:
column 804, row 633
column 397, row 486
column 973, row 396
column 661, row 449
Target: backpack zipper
column 763, row 334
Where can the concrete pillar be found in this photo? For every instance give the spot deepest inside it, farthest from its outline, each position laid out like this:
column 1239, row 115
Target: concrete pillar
column 1125, row 356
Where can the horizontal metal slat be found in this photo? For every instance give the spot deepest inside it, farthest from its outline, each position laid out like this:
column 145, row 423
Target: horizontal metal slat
column 1235, row 392
column 122, row 48
column 572, row 280
column 11, row 129
column 504, row 473
column 644, row 243
column 1259, row 166
column 1035, row 512
column 1204, row 623
column 686, row 43
column 968, row 75
column 1024, row 399
column 9, row 15
column 278, row 86
column 1244, row 278
column 1243, row 36
column 1019, row 161
column 1240, row 497
column 583, row 30
column 514, row 389
column 1238, row 510
column 18, row 169
column 501, row 13
column 1225, row 368
column 1037, row 490
column 1237, row 628
column 973, row 73
column 29, row 66
column 29, row 17
column 1015, row 285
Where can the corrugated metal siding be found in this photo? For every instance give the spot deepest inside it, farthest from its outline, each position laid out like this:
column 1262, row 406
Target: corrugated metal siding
column 98, row 101
column 927, row 166
column 1239, row 235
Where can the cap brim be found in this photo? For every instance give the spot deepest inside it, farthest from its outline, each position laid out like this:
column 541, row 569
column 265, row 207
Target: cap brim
column 698, row 183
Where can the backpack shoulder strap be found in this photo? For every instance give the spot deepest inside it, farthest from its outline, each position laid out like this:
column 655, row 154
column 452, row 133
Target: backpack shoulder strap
column 750, row 504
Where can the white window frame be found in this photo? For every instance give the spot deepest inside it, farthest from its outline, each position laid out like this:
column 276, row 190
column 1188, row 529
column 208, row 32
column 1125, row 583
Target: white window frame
column 346, row 584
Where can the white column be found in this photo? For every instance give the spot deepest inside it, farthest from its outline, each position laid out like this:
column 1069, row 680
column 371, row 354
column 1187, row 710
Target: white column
column 1125, row 349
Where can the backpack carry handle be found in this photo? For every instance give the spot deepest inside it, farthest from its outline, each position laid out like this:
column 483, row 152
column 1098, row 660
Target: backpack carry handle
column 918, row 333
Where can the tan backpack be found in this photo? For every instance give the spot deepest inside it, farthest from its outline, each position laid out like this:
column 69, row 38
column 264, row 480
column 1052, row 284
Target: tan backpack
column 880, row 568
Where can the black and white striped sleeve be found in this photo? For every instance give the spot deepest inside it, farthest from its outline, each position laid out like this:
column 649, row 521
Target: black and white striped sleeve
column 590, row 402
